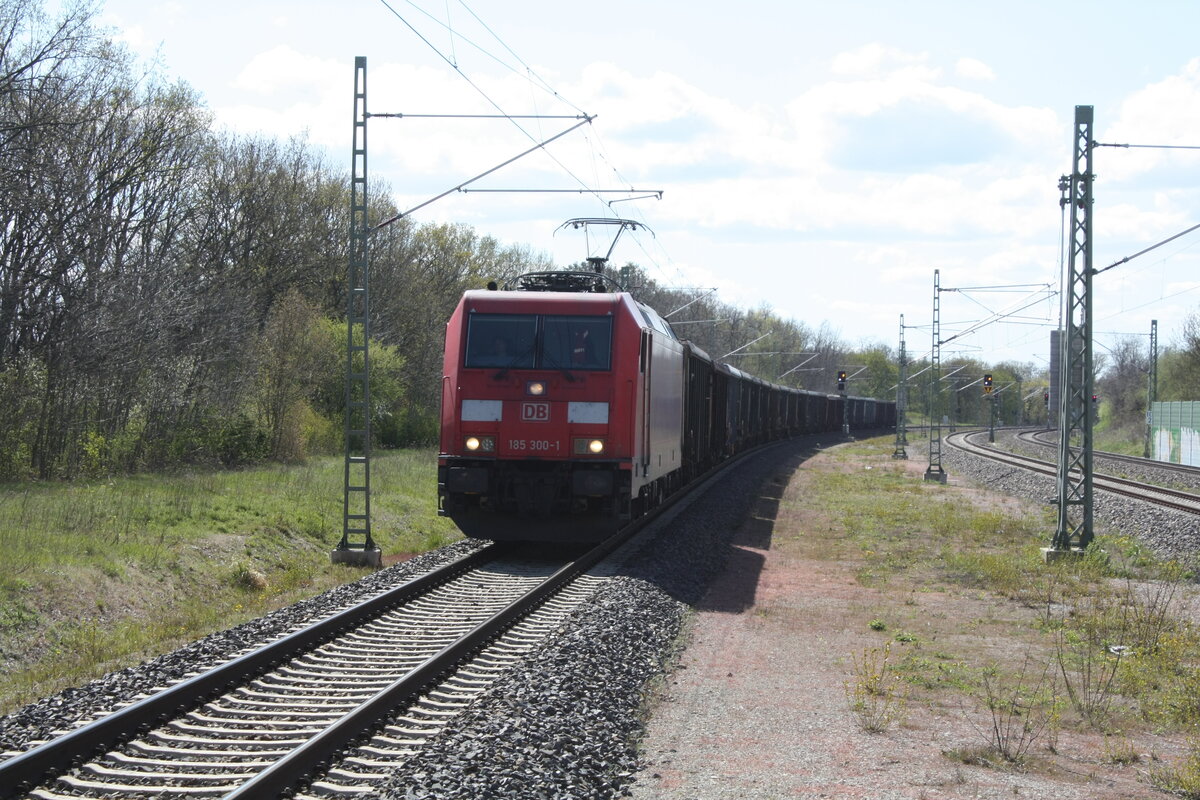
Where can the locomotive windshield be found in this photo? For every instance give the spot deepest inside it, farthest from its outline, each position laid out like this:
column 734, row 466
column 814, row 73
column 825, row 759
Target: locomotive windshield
column 576, row 342
column 526, row 341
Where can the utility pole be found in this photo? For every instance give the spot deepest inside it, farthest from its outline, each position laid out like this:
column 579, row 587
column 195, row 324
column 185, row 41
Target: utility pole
column 992, row 419
column 1074, row 532
column 357, row 547
column 901, row 400
column 841, row 386
column 1151, row 383
column 934, row 471
column 1021, row 404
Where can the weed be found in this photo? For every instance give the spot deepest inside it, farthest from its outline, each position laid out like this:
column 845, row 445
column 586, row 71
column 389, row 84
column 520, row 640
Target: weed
column 1129, row 638
column 877, row 625
column 875, row 693
column 1165, row 678
column 1119, row 750
column 1088, row 668
column 939, row 672
column 246, row 577
column 1021, row 709
column 974, row 756
column 1182, row 779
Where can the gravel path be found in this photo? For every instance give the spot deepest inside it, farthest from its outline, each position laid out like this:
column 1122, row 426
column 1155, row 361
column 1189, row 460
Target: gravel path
column 757, row 707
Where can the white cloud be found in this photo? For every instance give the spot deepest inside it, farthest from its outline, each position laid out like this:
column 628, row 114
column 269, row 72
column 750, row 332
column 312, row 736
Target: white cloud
column 873, row 59
column 974, row 69
column 1162, row 113
column 134, row 36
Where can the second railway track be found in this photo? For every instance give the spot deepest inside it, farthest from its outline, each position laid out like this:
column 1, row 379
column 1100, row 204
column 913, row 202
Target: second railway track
column 1168, row 498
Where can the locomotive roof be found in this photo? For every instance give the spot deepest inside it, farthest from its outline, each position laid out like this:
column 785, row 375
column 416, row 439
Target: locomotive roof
column 592, row 301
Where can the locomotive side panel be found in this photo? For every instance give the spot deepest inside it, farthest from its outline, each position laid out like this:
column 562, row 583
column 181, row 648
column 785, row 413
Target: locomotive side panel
column 698, row 425
column 660, row 420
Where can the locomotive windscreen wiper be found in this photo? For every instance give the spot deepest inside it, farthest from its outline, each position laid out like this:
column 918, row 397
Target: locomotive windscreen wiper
column 515, row 361
column 553, row 362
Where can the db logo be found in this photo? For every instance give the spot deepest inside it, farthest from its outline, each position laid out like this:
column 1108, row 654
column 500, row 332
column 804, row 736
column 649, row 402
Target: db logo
column 535, row 412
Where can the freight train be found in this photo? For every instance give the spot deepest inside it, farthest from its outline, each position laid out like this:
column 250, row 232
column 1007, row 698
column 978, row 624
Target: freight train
column 569, row 408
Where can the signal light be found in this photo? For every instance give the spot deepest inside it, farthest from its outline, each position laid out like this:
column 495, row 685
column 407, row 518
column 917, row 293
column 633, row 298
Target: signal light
column 987, row 384
column 1046, row 398
column 1095, row 397
column 841, row 380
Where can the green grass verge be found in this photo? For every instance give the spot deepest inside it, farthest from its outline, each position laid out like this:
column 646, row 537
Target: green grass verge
column 101, row 575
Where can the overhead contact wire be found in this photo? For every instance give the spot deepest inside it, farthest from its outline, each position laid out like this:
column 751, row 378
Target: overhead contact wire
column 488, row 98
column 536, row 80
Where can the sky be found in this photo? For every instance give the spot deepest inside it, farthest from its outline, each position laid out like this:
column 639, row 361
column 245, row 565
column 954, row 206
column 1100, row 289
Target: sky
column 822, row 159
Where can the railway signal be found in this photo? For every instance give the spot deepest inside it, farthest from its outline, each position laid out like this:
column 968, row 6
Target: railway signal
column 841, row 380
column 987, row 384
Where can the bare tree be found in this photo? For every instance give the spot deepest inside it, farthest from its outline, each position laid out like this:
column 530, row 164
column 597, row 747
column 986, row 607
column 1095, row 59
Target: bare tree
column 1123, row 384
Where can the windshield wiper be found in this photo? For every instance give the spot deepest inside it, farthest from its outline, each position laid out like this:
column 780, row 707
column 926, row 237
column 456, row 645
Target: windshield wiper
column 553, row 363
column 516, row 360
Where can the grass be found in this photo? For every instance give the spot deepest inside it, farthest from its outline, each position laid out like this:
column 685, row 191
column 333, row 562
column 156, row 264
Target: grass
column 1099, row 646
column 876, row 694
column 101, row 575
column 1182, row 779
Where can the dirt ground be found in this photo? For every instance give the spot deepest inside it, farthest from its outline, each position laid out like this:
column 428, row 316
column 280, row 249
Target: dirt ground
column 758, row 706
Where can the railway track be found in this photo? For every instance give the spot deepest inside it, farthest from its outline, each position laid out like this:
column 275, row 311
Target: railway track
column 1044, row 438
column 1161, row 496
column 330, row 708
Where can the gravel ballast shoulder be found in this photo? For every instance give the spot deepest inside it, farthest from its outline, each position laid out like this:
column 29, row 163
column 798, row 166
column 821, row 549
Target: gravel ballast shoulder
column 565, row 723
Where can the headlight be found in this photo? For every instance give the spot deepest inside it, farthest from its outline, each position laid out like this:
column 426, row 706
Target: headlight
column 535, row 388
column 483, row 444
column 588, row 447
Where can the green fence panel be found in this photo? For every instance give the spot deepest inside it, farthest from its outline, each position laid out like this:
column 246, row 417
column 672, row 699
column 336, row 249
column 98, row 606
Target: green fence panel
column 1175, row 431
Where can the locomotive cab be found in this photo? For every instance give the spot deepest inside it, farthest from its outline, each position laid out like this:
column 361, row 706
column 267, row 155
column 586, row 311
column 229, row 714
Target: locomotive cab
column 535, row 441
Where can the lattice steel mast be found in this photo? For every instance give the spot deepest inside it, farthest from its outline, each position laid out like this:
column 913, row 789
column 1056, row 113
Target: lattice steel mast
column 357, row 546
column 901, row 400
column 934, row 471
column 1151, row 383
column 1074, row 531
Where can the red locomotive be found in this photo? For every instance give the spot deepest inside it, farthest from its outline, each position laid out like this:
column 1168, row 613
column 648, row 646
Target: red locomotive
column 569, row 408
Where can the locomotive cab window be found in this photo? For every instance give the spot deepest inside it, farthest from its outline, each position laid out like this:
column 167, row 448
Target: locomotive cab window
column 507, row 341
column 527, row 341
column 658, row 323
column 576, row 342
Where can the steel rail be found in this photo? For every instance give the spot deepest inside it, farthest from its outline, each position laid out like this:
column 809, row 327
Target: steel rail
column 1167, row 498
column 296, row 769
column 1036, row 437
column 299, row 765
column 57, row 755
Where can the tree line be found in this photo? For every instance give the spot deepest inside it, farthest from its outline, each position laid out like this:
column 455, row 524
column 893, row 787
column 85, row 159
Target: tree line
column 171, row 294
